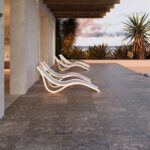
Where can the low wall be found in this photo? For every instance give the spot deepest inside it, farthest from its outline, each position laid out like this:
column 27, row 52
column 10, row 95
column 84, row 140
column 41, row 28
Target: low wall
column 125, row 63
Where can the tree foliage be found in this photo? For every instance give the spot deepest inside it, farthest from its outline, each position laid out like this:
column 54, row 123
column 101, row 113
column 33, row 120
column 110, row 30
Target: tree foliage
column 58, row 36
column 69, row 30
column 98, row 52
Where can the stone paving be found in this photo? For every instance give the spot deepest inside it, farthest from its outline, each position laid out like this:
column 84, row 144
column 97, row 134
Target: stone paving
column 77, row 118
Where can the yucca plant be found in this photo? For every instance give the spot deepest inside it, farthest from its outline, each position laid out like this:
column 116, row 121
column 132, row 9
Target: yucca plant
column 138, row 32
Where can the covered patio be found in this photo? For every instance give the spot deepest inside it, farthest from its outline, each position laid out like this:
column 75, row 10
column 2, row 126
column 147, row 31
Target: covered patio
column 77, row 118
column 31, row 38
column 80, row 8
column 117, row 118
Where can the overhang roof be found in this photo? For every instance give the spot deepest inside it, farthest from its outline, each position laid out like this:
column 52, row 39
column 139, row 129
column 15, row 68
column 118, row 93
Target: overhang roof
column 80, row 8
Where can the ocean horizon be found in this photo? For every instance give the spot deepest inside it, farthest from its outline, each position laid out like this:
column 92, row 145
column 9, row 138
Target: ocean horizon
column 86, row 47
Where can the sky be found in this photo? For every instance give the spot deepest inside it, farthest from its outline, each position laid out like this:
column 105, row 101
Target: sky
column 109, row 30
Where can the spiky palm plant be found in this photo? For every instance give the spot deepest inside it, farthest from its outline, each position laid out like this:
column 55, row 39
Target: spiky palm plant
column 138, row 32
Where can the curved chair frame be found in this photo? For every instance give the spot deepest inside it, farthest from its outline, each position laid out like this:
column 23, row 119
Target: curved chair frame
column 66, row 61
column 62, row 84
column 62, row 66
column 63, row 76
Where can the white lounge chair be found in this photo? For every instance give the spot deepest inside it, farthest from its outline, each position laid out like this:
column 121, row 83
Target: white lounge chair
column 62, row 66
column 60, row 85
column 63, row 76
column 75, row 62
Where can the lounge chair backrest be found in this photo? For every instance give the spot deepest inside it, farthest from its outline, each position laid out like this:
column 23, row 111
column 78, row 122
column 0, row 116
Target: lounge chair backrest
column 44, row 66
column 60, row 63
column 48, row 76
column 64, row 59
column 57, row 60
column 48, row 69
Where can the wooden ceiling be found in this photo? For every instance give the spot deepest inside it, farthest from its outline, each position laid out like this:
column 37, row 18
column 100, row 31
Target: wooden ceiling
column 80, row 8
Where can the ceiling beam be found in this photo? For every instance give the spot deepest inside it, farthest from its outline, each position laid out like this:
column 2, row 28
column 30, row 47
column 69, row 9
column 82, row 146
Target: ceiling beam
column 80, row 8
column 81, row 17
column 89, row 8
column 78, row 15
column 81, row 2
column 77, row 12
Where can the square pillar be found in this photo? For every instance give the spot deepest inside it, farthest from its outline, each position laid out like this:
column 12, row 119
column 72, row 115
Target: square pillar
column 44, row 55
column 18, row 53
column 1, row 60
column 52, row 38
column 24, row 45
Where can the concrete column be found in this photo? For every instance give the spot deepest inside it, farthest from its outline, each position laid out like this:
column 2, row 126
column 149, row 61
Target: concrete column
column 47, row 51
column 31, row 41
column 18, row 56
column 23, row 45
column 52, row 38
column 1, row 60
column 44, row 38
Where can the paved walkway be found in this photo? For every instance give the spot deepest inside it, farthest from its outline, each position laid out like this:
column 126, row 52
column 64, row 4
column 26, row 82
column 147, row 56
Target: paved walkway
column 79, row 119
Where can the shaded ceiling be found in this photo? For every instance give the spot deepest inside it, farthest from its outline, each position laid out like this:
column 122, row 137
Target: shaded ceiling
column 80, row 8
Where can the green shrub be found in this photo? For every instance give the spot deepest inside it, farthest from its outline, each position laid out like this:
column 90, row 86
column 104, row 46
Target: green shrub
column 109, row 54
column 148, row 55
column 77, row 53
column 66, row 51
column 98, row 52
column 74, row 53
column 123, row 52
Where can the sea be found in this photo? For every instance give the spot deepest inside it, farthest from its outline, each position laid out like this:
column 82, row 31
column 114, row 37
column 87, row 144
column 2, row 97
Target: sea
column 84, row 48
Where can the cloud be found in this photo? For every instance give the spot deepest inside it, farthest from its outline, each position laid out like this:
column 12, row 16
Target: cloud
column 89, row 25
column 93, row 28
column 110, row 28
column 102, row 34
column 91, row 41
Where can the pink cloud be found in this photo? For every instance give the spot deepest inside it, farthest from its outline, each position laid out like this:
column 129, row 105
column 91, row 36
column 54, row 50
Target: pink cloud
column 96, row 27
column 88, row 27
column 85, row 22
column 93, row 28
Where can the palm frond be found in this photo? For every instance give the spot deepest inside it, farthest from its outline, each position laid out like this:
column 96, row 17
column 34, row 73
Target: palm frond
column 137, row 31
